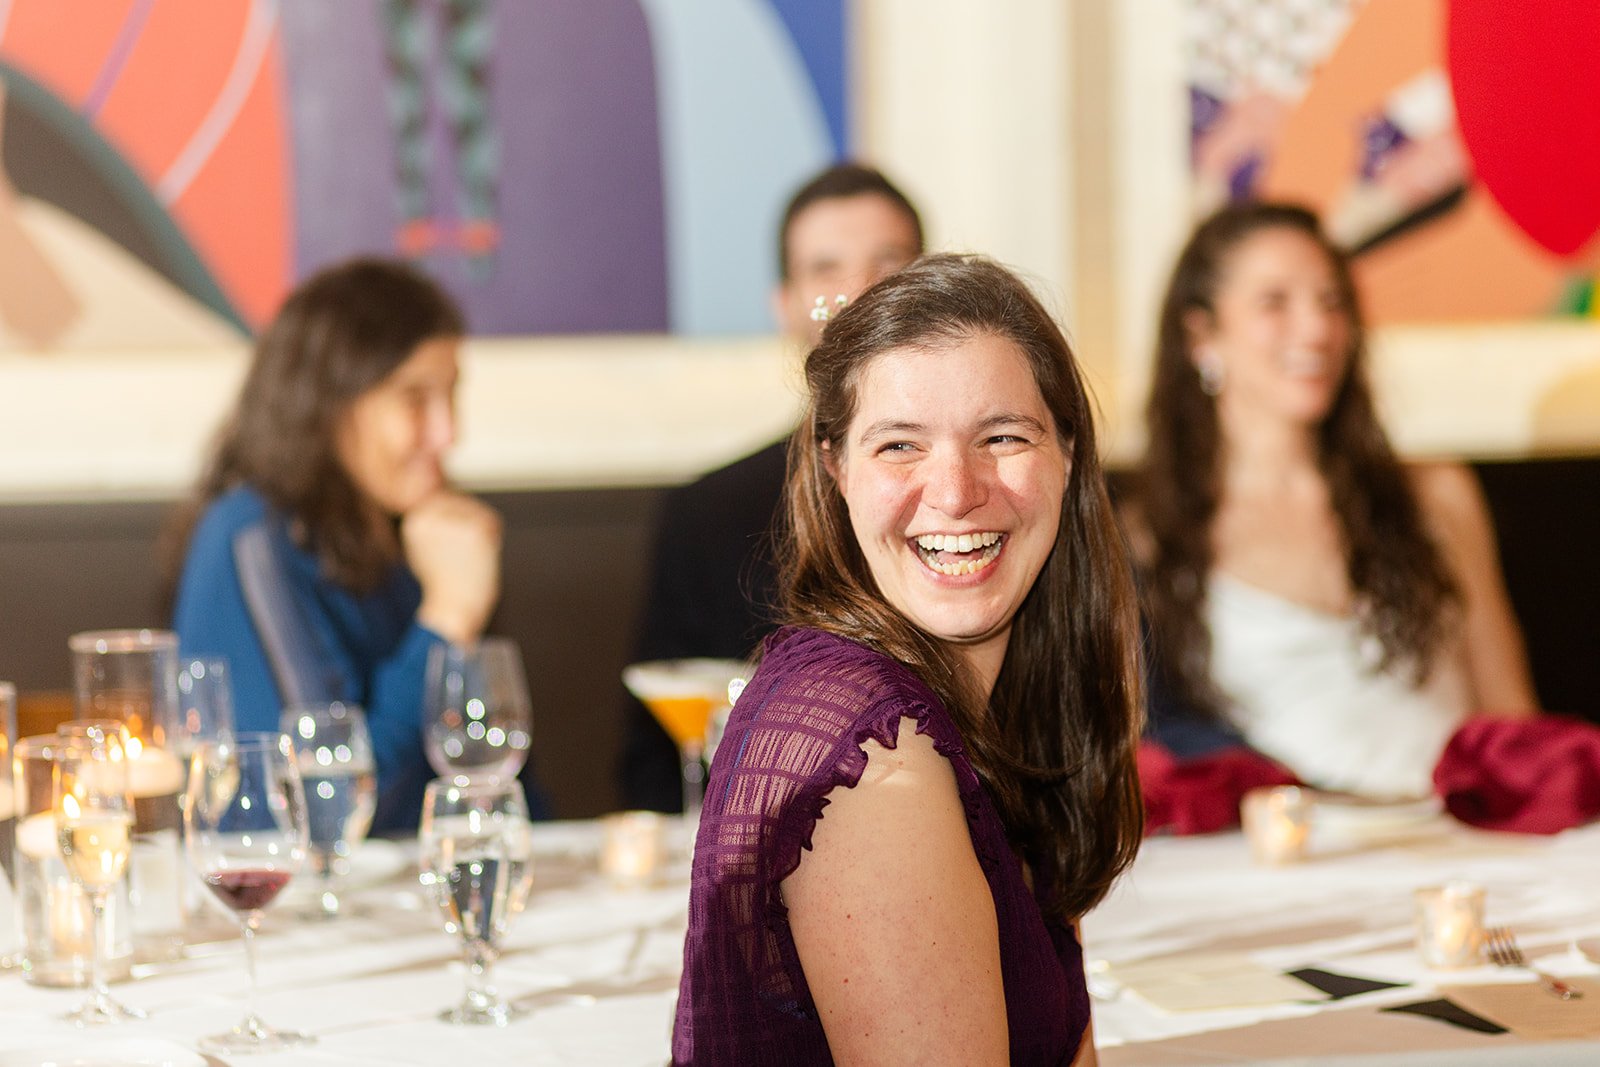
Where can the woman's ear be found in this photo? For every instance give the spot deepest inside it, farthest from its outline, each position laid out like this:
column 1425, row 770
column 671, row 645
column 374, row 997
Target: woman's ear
column 831, row 464
column 1198, row 329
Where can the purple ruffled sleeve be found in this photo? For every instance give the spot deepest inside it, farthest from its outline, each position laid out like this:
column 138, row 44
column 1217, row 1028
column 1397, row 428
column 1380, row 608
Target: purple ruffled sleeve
column 794, row 737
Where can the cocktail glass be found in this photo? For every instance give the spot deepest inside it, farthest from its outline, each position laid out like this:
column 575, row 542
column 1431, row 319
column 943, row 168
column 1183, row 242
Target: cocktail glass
column 682, row 694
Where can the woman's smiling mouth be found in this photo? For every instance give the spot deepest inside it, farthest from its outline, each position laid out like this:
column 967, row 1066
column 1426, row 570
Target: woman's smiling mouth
column 954, row 555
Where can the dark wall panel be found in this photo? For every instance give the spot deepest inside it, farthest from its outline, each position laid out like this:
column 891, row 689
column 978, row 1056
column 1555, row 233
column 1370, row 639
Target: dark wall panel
column 574, row 573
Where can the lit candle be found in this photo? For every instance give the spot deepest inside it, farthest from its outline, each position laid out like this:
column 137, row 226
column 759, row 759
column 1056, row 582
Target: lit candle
column 152, row 771
column 1277, row 822
column 1450, row 925
column 633, row 848
column 68, row 918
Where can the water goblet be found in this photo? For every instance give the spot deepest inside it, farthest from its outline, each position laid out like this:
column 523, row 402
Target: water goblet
column 477, row 848
column 334, row 751
column 93, row 804
column 476, row 715
column 245, row 813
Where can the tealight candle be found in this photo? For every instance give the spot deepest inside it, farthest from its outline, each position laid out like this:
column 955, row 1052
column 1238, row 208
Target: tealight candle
column 152, row 771
column 1450, row 924
column 633, row 848
column 53, row 912
column 1276, row 821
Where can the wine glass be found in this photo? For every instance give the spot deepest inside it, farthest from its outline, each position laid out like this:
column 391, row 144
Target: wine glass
column 10, row 956
column 476, row 714
column 245, row 814
column 205, row 705
column 477, row 850
column 94, row 829
column 682, row 694
column 334, row 751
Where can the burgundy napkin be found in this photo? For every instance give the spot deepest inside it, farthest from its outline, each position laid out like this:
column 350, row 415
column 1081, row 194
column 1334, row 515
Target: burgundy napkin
column 1201, row 795
column 1531, row 776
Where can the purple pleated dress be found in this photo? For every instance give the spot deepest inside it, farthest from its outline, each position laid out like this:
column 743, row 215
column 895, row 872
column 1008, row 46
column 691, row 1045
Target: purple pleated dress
column 794, row 735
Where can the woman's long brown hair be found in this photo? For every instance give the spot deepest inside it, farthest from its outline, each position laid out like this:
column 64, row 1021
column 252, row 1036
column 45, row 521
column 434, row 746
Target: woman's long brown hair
column 1055, row 743
column 1400, row 582
column 340, row 333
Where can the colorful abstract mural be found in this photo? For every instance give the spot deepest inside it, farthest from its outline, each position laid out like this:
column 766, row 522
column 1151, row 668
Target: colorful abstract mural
column 1450, row 145
column 172, row 167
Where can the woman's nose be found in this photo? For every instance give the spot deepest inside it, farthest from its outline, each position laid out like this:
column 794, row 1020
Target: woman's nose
column 955, row 485
column 439, row 427
column 1317, row 322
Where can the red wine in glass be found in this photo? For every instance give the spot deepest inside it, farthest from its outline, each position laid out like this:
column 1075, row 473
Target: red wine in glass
column 247, row 890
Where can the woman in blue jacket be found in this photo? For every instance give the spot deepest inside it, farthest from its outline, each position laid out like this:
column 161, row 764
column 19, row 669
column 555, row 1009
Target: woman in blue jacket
column 324, row 552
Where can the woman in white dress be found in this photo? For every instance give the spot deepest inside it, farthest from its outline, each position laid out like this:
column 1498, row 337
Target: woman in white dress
column 1340, row 610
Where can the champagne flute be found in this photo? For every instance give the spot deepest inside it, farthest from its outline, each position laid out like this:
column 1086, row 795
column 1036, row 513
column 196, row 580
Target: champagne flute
column 245, row 813
column 476, row 713
column 334, row 751
column 94, row 830
column 477, row 849
column 682, row 694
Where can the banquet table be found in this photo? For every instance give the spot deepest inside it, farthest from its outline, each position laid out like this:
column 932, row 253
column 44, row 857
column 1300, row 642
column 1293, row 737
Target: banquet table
column 1347, row 908
column 596, row 966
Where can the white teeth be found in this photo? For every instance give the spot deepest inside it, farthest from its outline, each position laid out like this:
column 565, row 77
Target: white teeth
column 1304, row 363
column 987, row 544
column 957, row 542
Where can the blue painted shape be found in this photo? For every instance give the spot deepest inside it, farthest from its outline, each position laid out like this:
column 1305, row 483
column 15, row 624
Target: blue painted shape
column 741, row 128
column 818, row 30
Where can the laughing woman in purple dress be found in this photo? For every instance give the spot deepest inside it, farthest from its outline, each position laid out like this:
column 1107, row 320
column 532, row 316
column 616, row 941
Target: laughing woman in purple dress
column 931, row 776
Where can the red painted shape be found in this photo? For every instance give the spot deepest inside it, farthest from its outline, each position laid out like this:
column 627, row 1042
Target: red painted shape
column 1526, row 80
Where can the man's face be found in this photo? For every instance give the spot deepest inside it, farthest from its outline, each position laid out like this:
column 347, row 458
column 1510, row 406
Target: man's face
column 840, row 245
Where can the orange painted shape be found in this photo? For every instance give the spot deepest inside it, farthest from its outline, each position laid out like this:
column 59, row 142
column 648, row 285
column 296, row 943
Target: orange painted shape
column 171, row 80
column 239, row 210
column 63, row 43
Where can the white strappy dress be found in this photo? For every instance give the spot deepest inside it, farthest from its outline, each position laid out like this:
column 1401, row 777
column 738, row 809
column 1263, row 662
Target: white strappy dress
column 1303, row 687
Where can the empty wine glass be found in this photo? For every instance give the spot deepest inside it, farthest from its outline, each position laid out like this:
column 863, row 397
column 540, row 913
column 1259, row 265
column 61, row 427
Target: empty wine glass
column 205, row 705
column 245, row 813
column 477, row 849
column 10, row 955
column 476, row 716
column 94, row 830
column 334, row 751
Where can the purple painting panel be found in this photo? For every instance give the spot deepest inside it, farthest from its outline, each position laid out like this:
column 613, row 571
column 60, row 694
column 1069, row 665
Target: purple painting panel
column 561, row 130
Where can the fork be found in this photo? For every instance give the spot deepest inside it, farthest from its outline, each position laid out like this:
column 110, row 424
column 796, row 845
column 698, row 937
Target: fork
column 1505, row 952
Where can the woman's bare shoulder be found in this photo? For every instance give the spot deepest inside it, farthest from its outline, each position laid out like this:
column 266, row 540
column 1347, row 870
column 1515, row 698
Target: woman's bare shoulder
column 1447, row 491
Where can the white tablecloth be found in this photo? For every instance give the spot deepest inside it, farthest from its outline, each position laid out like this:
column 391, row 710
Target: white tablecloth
column 1346, row 910
column 598, row 966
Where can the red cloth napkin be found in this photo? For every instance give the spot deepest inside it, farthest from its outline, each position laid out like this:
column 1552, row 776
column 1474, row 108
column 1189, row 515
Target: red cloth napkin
column 1201, row 795
column 1530, row 776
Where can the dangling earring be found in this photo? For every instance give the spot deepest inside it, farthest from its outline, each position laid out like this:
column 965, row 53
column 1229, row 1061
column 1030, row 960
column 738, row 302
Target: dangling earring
column 1209, row 368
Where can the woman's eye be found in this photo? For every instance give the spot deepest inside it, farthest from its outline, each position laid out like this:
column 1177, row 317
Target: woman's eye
column 897, row 448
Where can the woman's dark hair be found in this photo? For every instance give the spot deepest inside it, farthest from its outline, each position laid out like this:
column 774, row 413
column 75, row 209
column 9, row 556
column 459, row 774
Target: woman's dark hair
column 341, row 332
column 1055, row 743
column 1401, row 584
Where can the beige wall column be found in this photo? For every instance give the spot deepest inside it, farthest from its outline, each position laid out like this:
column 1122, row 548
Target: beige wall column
column 967, row 105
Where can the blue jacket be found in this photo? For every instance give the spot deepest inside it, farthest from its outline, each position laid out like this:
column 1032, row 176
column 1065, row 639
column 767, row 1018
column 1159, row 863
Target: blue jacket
column 291, row 635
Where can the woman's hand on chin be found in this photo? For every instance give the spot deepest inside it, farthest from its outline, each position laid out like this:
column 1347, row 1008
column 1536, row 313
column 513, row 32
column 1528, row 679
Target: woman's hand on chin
column 451, row 543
